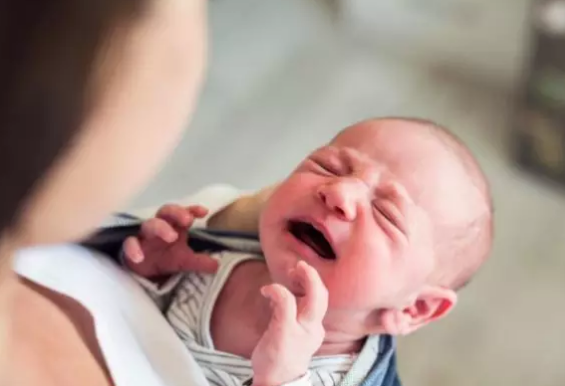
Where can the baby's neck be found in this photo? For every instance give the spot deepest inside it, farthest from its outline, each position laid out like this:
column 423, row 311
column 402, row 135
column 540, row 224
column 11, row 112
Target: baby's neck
column 340, row 348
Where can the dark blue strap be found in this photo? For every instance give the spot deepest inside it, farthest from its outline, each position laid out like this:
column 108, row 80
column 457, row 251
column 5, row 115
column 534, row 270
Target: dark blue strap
column 384, row 371
column 391, row 377
column 201, row 244
column 109, row 240
column 235, row 234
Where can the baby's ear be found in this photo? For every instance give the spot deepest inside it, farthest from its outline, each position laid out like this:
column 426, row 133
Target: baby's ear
column 432, row 304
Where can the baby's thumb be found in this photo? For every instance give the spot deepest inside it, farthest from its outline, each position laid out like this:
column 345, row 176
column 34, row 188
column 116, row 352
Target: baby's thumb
column 132, row 250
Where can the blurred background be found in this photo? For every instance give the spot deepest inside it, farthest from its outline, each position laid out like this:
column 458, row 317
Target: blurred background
column 286, row 75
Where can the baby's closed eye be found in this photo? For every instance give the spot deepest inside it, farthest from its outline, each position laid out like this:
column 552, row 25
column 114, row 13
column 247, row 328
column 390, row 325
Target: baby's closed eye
column 390, row 212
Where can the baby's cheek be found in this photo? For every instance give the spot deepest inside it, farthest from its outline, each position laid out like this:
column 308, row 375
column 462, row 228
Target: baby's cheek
column 349, row 292
column 360, row 286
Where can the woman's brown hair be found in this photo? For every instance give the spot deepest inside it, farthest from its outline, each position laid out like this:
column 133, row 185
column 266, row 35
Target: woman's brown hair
column 48, row 54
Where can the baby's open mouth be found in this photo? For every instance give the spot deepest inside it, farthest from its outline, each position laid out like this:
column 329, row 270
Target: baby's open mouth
column 313, row 238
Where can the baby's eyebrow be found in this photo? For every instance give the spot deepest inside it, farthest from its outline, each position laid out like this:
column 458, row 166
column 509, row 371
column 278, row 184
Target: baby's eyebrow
column 348, row 156
column 396, row 191
column 325, row 149
column 338, row 152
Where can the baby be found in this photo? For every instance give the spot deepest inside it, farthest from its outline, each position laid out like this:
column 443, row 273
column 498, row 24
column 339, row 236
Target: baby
column 372, row 235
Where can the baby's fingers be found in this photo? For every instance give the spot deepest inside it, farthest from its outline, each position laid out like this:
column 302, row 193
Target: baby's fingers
column 133, row 251
column 181, row 217
column 314, row 304
column 283, row 303
column 160, row 229
column 175, row 215
column 198, row 211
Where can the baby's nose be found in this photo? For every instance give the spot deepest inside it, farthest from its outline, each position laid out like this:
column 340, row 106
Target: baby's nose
column 342, row 198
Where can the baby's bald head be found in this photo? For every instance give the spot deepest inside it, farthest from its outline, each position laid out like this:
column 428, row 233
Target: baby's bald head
column 448, row 182
column 463, row 248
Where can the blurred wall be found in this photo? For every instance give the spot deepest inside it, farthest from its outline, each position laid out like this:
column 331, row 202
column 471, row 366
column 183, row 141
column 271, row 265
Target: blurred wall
column 483, row 39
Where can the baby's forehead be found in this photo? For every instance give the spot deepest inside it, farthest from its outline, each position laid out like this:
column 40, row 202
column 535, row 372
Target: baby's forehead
column 391, row 142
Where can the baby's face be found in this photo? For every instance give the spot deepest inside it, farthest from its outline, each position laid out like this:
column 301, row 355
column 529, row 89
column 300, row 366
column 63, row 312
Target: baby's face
column 362, row 211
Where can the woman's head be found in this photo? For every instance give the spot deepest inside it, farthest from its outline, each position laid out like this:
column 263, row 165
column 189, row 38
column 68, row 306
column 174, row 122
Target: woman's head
column 93, row 96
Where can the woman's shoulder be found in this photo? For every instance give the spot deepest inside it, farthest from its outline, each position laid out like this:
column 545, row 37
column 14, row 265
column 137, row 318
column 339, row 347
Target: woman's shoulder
column 49, row 322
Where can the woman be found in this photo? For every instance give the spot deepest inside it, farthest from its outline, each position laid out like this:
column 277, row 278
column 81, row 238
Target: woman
column 93, row 96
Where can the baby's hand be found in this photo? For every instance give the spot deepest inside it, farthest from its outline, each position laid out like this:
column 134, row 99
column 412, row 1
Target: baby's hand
column 295, row 332
column 161, row 247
